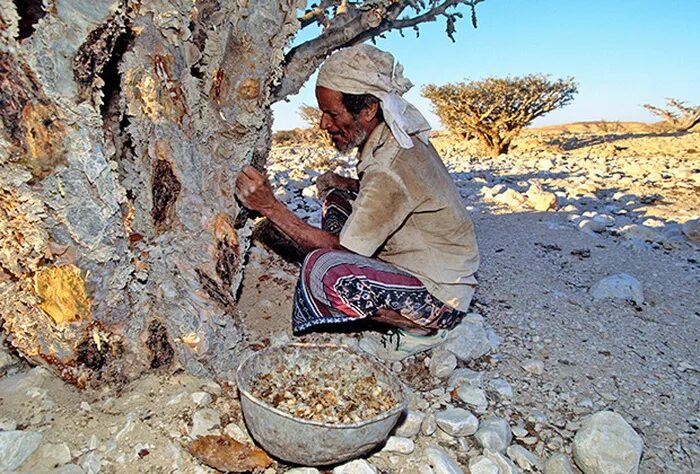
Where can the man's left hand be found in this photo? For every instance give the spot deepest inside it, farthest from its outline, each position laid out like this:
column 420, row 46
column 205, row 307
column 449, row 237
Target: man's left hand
column 254, row 191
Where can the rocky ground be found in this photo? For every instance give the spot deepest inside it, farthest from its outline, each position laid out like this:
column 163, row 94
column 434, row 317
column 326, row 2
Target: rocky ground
column 551, row 339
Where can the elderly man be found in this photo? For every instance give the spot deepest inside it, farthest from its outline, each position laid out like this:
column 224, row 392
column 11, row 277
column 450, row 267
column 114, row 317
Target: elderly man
column 396, row 246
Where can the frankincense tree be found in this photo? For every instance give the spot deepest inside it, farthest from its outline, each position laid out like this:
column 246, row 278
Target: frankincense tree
column 496, row 109
column 123, row 125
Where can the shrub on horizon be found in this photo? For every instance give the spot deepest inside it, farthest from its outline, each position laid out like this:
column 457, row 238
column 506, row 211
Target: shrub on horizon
column 495, row 110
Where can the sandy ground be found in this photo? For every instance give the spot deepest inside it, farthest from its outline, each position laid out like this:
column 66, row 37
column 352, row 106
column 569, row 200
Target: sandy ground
column 639, row 360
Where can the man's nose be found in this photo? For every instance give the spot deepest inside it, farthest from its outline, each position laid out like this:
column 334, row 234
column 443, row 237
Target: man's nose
column 326, row 121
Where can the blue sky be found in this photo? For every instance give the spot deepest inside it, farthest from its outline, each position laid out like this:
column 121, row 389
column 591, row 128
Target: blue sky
column 622, row 53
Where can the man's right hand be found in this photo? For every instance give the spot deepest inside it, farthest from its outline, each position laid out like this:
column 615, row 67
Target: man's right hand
column 330, row 180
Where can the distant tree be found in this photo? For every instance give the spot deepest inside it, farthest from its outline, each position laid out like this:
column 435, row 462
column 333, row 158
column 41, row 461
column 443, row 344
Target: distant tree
column 496, row 109
column 311, row 115
column 677, row 115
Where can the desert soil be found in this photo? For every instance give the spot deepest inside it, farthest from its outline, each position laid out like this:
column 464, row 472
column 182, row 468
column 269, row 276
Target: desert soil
column 640, row 360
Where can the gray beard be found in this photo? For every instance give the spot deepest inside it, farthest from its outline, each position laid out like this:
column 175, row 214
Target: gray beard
column 360, row 138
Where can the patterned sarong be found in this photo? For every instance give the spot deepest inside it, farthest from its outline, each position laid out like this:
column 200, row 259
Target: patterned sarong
column 337, row 286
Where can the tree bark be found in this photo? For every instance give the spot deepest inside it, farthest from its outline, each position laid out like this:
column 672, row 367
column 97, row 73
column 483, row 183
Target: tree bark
column 123, row 127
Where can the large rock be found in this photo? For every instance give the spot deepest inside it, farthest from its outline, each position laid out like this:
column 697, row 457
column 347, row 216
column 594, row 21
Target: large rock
column 541, row 200
column 469, row 340
column 607, row 444
column 492, row 463
column 494, row 434
column 358, row 466
column 691, row 229
column 442, row 363
column 558, row 464
column 441, row 462
column 473, row 396
column 524, row 458
column 410, row 424
column 511, row 198
column 16, row 447
column 641, row 232
column 457, row 422
column 464, row 375
column 622, row 286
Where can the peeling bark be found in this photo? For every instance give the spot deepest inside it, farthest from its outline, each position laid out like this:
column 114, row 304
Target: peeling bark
column 123, row 125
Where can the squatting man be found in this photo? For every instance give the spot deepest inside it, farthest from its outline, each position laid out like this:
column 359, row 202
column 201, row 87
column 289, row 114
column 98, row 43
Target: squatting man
column 397, row 246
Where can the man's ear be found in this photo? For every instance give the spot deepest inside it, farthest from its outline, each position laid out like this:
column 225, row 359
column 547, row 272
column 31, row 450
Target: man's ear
column 370, row 112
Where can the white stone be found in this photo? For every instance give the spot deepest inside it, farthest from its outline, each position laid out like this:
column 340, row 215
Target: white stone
column 398, row 444
column 69, row 469
column 429, row 425
column 457, row 422
column 511, row 198
column 558, row 464
column 358, row 466
column 590, row 226
column 492, row 463
column 442, row 364
column 410, row 426
column 482, row 465
column 533, row 366
column 303, row 470
column 201, row 399
column 523, row 458
column 309, row 191
column 469, row 340
column 462, row 376
column 441, row 462
column 16, row 447
column 691, row 229
column 494, row 434
column 203, row 421
column 472, row 396
column 541, row 200
column 621, row 286
column 607, row 444
column 644, row 233
column 237, row 433
column 502, row 387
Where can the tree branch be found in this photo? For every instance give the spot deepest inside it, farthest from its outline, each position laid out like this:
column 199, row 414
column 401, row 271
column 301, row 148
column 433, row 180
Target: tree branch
column 355, row 25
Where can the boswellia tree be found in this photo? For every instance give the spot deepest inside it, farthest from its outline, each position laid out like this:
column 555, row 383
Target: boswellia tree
column 496, row 109
column 123, row 125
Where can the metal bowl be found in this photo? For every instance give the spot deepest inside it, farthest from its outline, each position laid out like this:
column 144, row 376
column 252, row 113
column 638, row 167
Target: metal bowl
column 306, row 442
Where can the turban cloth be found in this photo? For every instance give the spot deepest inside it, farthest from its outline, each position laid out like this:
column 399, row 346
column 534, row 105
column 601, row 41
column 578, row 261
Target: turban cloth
column 364, row 69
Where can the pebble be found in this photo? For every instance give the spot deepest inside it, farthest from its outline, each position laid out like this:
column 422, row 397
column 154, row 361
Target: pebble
column 457, row 422
column 511, row 198
column 358, row 466
column 442, row 364
column 203, row 421
column 502, row 387
column 492, row 463
column 558, row 464
column 400, row 445
column 462, row 376
column 429, row 425
column 469, row 340
column 607, row 444
column 85, row 406
column 620, row 286
column 541, row 200
column 494, row 434
column 303, row 470
column 441, row 462
column 236, row 432
column 16, row 447
column 472, row 396
column 201, row 399
column 410, row 426
column 643, row 233
column 523, row 458
column 691, row 229
column 533, row 366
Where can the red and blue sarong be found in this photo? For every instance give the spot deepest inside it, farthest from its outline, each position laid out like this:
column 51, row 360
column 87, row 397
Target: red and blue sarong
column 337, row 286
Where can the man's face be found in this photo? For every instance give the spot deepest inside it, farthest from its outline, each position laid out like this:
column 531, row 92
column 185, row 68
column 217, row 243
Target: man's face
column 345, row 130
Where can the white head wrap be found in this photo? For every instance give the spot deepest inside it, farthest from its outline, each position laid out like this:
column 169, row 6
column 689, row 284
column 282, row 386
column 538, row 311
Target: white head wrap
column 364, row 69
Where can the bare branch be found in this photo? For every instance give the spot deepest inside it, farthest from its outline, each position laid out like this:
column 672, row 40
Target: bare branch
column 357, row 23
column 682, row 119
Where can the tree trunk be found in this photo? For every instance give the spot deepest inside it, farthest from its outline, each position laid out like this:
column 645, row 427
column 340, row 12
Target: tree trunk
column 123, row 125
